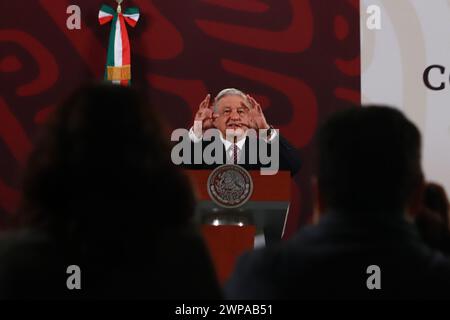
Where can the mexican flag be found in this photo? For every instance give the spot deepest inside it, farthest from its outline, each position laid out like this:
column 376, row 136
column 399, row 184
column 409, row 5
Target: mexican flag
column 118, row 61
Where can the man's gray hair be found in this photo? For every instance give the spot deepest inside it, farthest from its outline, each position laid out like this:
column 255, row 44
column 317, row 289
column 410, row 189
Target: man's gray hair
column 228, row 92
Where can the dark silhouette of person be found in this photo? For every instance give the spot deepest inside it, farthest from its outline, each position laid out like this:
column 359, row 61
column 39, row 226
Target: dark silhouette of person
column 100, row 192
column 432, row 219
column 364, row 245
column 435, row 198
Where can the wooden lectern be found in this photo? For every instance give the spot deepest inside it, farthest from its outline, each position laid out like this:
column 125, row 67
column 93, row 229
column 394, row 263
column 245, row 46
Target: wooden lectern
column 264, row 214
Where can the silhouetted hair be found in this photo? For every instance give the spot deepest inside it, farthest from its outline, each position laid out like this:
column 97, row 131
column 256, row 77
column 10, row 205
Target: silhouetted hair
column 103, row 164
column 369, row 160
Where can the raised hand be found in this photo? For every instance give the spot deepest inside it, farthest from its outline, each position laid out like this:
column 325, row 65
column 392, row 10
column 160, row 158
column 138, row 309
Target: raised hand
column 204, row 117
column 257, row 118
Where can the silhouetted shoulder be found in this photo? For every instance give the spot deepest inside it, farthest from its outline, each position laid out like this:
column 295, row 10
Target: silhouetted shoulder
column 184, row 266
column 31, row 267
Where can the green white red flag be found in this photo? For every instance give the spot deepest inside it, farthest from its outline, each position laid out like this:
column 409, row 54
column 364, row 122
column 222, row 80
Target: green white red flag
column 118, row 60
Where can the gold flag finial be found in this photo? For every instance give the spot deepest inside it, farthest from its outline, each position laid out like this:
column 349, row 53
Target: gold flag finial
column 119, row 7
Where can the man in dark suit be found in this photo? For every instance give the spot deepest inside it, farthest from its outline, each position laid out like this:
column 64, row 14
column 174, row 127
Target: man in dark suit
column 364, row 246
column 241, row 133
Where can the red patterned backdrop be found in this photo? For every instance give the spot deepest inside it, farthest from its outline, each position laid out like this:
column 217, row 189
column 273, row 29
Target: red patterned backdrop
column 300, row 58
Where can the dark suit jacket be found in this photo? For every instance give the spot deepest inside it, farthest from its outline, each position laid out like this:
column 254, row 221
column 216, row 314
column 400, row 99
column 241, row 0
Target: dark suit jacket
column 289, row 160
column 330, row 260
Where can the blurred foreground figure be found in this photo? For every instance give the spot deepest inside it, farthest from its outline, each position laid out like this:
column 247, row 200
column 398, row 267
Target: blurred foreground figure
column 432, row 220
column 100, row 192
column 369, row 188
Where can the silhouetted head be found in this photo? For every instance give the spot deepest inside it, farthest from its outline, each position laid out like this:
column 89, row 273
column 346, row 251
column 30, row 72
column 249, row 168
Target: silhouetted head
column 369, row 161
column 102, row 168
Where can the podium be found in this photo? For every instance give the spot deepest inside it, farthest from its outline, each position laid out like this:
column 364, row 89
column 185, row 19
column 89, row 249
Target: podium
column 230, row 232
